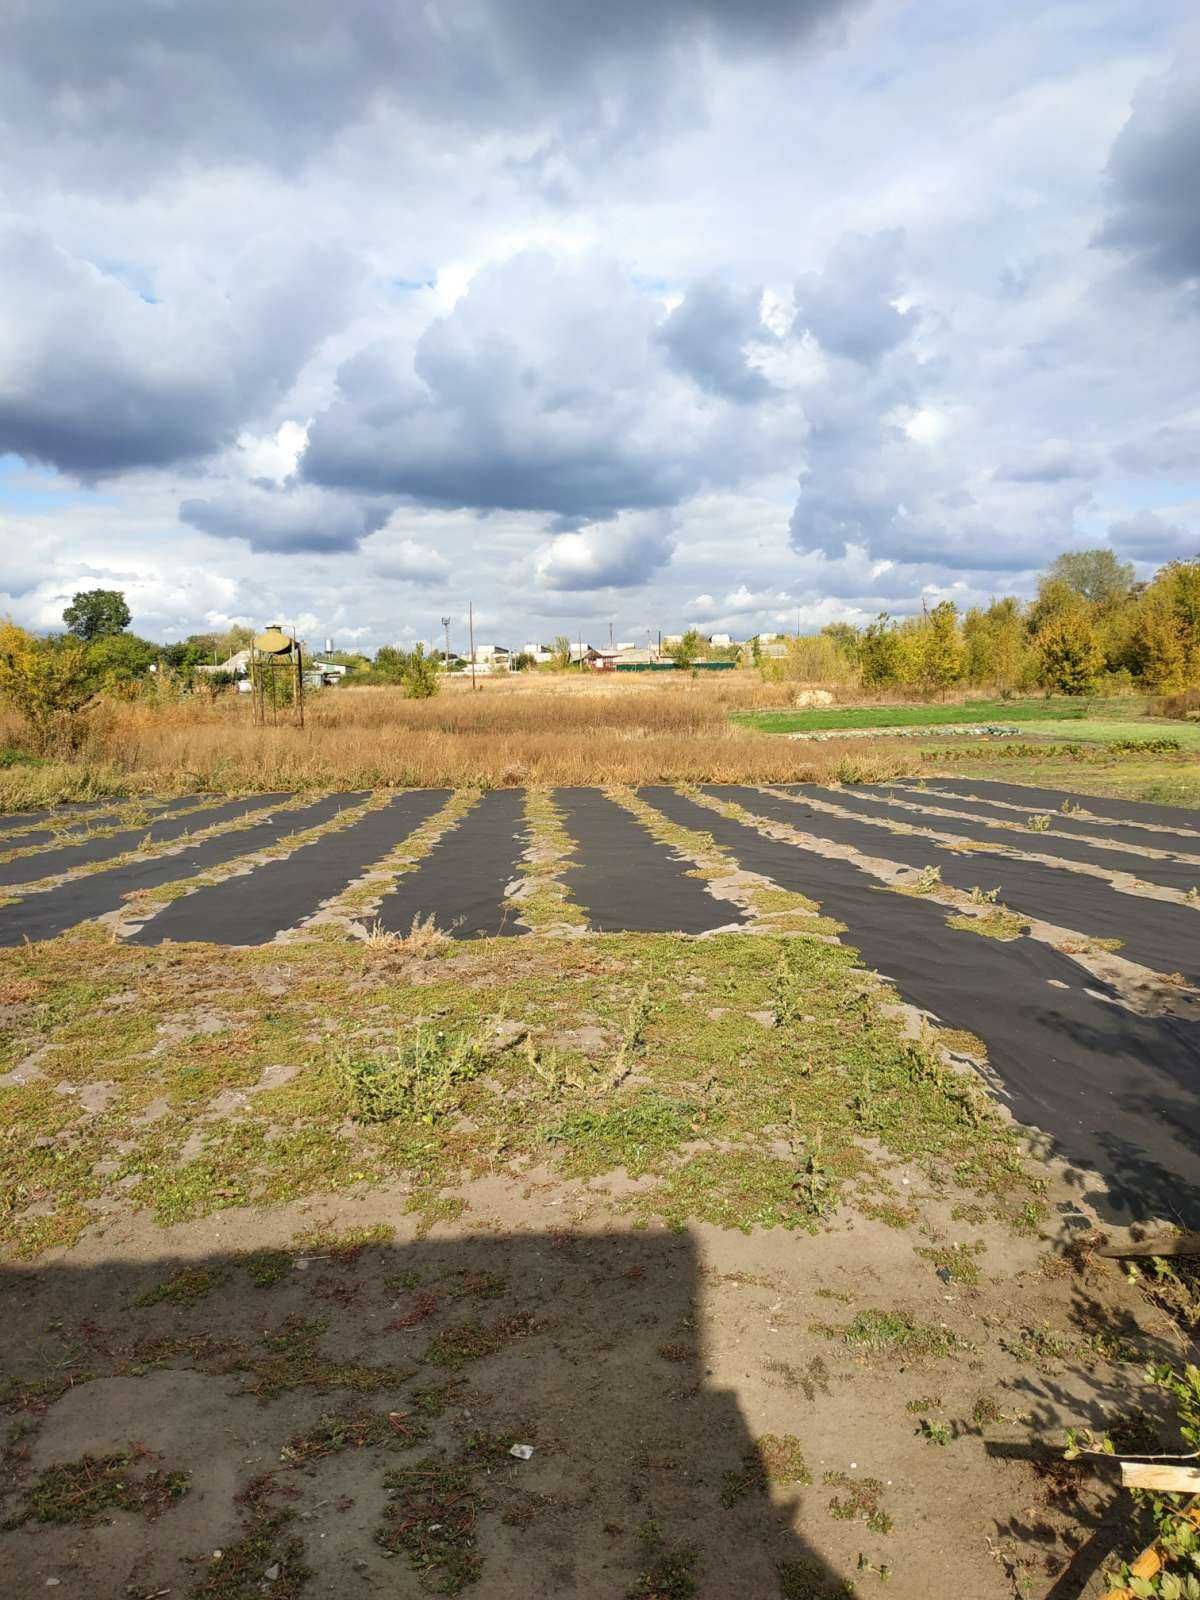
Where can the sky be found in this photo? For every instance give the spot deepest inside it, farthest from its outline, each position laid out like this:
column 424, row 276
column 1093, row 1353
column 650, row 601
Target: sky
column 746, row 316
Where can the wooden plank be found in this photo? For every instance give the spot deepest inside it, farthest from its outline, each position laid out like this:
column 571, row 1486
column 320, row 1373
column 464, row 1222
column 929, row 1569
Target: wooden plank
column 1160, row 1475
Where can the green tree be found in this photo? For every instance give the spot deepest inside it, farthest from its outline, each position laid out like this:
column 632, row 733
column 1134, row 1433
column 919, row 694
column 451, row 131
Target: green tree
column 119, row 661
column 1068, row 651
column 389, row 663
column 523, row 661
column 96, row 613
column 419, row 673
column 879, row 653
column 560, row 653
column 1095, row 575
column 941, row 650
column 846, row 636
column 686, row 650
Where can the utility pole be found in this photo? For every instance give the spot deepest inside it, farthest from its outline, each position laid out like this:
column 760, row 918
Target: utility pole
column 471, row 627
column 446, row 631
column 581, row 650
column 610, row 636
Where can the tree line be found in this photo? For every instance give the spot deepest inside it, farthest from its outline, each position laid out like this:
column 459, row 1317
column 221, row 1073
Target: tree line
column 1091, row 626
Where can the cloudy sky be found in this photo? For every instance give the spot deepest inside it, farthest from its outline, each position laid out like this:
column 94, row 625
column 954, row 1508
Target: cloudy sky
column 734, row 312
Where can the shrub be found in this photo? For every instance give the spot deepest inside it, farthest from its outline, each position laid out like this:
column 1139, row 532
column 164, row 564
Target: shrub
column 49, row 683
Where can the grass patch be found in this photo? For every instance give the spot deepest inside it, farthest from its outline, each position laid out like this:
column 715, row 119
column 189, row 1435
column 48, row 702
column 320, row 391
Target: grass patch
column 82, row 1492
column 430, row 1517
column 471, row 1341
column 858, row 1501
column 878, row 1332
column 666, row 1574
column 954, row 1263
column 628, row 1136
column 677, row 1080
column 354, row 1429
column 774, row 1459
column 267, row 1545
column 185, row 1288
column 999, row 924
column 914, row 716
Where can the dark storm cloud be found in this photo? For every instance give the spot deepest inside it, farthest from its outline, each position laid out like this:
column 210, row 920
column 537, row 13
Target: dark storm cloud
column 849, row 307
column 706, row 337
column 98, row 380
column 293, row 517
column 1152, row 171
column 545, row 389
column 112, row 88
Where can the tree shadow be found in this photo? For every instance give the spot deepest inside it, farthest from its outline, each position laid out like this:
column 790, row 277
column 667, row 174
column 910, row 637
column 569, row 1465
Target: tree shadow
column 347, row 1410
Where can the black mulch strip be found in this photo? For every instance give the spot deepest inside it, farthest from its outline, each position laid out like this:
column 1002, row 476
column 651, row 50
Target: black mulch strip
column 1157, row 934
column 45, row 915
column 1158, row 838
column 1051, row 799
column 461, row 882
column 1115, row 1092
column 253, row 908
column 91, row 819
column 28, row 869
column 625, row 881
column 1170, row 874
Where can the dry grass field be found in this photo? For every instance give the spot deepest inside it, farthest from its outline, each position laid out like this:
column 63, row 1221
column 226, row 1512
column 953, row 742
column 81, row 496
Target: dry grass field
column 521, row 730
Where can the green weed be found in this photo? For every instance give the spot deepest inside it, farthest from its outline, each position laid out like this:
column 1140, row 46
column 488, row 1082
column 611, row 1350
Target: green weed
column 420, row 1080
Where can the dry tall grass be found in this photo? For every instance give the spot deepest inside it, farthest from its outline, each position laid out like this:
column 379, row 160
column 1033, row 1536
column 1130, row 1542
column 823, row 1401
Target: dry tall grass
column 538, row 731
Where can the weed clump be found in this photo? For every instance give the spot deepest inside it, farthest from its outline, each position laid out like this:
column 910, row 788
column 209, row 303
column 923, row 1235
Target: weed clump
column 666, row 1574
column 267, row 1547
column 775, row 1458
column 82, row 1491
column 471, row 1341
column 421, row 1080
column 355, row 1429
column 858, row 1501
column 631, row 1136
column 184, row 1288
column 895, row 1332
column 430, row 1518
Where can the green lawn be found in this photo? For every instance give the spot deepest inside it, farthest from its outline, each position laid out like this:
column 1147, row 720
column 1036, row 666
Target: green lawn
column 1186, row 734
column 818, row 718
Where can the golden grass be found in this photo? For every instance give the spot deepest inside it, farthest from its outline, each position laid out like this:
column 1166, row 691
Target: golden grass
column 526, row 730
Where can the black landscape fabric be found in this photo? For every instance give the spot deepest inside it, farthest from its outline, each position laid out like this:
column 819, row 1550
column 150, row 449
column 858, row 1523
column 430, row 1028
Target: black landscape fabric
column 95, row 816
column 1170, row 874
column 1114, row 1092
column 1156, row 933
column 1137, row 835
column 253, row 907
column 461, row 882
column 29, row 869
column 76, row 810
column 53, row 911
column 1037, row 799
column 625, row 881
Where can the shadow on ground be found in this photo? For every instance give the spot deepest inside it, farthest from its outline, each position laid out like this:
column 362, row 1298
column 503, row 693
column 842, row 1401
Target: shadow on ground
column 348, row 1414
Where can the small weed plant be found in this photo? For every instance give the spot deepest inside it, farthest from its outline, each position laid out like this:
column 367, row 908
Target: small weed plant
column 421, row 1080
